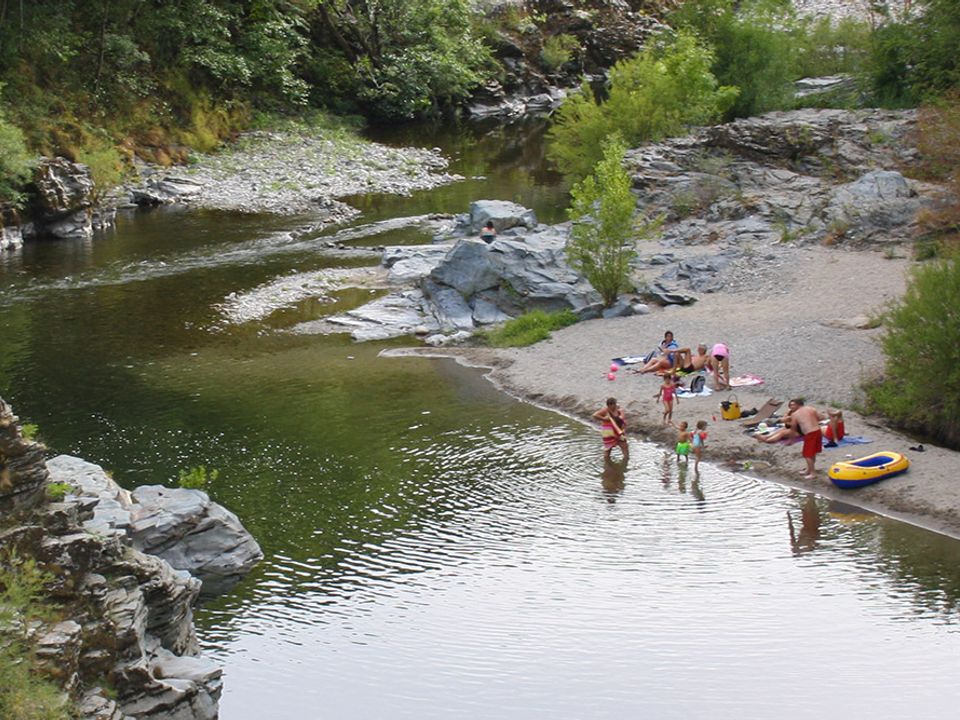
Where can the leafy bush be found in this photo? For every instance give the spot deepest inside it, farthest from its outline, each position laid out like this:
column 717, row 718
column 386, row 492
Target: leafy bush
column 921, row 386
column 557, row 50
column 915, row 58
column 196, row 478
column 57, row 491
column 603, row 236
column 15, row 161
column 652, row 95
column 28, row 431
column 824, row 48
column 529, row 328
column 753, row 50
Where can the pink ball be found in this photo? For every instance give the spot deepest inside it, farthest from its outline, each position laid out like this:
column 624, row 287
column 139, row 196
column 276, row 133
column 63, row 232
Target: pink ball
column 611, row 376
column 614, row 367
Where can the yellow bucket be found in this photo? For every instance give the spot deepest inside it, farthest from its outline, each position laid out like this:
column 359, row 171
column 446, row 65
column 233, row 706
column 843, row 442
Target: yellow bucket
column 730, row 408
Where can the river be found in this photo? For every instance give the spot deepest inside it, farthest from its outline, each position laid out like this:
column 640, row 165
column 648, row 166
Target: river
column 435, row 549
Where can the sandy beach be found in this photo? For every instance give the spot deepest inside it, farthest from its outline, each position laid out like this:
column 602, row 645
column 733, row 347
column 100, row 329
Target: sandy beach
column 792, row 321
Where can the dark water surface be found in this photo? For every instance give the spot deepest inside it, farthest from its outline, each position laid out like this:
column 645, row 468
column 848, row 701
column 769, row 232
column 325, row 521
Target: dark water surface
column 435, row 549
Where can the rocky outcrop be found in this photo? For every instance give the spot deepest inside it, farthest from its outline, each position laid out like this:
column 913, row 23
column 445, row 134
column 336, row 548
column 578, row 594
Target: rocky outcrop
column 23, row 474
column 62, row 200
column 182, row 526
column 806, row 176
column 129, row 614
column 471, row 283
column 599, row 34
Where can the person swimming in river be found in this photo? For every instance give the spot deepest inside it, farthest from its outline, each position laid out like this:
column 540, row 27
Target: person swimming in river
column 668, row 393
column 613, row 428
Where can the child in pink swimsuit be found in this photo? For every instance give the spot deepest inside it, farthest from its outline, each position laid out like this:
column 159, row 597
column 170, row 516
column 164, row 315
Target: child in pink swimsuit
column 668, row 392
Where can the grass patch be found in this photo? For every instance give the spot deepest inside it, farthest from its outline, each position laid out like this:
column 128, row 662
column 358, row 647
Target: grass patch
column 529, row 328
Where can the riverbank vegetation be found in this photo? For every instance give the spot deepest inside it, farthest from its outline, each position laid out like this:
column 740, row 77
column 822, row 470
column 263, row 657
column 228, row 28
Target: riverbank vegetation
column 24, row 694
column 920, row 389
column 529, row 328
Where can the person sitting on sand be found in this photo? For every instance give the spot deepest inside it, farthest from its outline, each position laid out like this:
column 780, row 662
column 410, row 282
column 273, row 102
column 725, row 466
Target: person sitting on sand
column 788, row 431
column 686, row 362
column 806, row 423
column 835, row 430
column 664, row 355
column 719, row 364
column 613, row 428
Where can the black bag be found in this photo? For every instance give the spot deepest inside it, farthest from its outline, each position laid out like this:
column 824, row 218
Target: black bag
column 697, row 384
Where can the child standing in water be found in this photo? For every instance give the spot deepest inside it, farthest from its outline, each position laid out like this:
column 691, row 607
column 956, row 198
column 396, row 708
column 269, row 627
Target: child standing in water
column 668, row 391
column 683, row 442
column 612, row 429
column 699, row 442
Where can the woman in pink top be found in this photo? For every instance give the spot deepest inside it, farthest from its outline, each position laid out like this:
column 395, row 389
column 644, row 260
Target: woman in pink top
column 719, row 365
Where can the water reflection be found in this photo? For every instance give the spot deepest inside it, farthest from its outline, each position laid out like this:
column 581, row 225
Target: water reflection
column 613, row 478
column 805, row 539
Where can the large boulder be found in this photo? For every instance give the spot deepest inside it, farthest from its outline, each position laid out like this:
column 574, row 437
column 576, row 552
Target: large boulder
column 184, row 527
column 63, row 199
column 505, row 215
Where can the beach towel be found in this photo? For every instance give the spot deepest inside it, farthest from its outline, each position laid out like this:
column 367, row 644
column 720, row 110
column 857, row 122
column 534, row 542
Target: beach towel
column 746, row 380
column 849, row 440
column 629, row 360
column 685, row 392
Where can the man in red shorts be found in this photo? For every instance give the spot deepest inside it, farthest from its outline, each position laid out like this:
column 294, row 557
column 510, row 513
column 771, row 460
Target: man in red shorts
column 806, row 421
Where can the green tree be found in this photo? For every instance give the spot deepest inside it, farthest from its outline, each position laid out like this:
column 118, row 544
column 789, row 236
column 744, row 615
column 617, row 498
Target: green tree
column 753, row 49
column 914, row 57
column 602, row 240
column 921, row 385
column 652, row 95
column 399, row 59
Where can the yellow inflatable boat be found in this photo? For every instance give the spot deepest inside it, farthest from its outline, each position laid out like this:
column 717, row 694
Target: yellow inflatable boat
column 868, row 470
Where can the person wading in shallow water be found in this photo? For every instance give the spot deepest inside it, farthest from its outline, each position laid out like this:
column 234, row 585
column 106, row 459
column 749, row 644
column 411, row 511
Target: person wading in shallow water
column 613, row 427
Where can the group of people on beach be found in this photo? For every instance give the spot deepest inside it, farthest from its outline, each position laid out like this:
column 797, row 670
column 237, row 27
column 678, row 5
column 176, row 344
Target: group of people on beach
column 671, row 359
column 801, row 422
column 613, row 432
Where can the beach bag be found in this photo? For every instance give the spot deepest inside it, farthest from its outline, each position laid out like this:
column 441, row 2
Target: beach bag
column 730, row 408
column 697, row 384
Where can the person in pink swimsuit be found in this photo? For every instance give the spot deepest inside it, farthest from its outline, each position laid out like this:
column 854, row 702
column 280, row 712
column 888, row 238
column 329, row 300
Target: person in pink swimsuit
column 668, row 393
column 719, row 365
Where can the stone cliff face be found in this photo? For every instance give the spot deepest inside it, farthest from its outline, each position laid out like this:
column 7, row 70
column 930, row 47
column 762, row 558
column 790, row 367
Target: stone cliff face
column 130, row 617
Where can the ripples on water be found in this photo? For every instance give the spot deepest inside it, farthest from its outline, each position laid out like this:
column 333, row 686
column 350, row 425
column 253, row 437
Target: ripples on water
column 535, row 587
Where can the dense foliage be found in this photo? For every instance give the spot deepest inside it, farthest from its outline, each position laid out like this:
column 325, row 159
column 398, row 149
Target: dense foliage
column 921, row 386
column 95, row 77
column 915, row 54
column 652, row 95
column 603, row 238
column 753, row 49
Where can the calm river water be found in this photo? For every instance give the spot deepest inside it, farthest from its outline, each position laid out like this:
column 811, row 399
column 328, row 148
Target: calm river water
column 435, row 549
